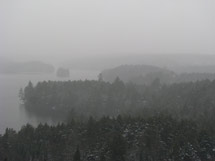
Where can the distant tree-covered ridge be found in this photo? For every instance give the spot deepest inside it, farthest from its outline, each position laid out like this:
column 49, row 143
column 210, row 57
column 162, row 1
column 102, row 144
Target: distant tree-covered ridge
column 132, row 73
column 146, row 74
column 157, row 138
column 30, row 67
column 81, row 99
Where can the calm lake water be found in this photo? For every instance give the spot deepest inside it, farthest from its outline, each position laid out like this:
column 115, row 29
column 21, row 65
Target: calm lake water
column 12, row 115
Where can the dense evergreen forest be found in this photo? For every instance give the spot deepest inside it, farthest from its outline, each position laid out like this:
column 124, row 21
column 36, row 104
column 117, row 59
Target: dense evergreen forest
column 157, row 138
column 116, row 121
column 81, row 99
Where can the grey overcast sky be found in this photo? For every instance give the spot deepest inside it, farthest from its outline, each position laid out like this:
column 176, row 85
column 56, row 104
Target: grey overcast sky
column 65, row 29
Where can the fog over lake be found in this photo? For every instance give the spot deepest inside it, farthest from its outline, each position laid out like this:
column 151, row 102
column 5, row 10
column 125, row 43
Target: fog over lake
column 14, row 116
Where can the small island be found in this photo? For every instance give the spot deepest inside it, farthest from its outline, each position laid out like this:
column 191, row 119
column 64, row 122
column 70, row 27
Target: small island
column 63, row 72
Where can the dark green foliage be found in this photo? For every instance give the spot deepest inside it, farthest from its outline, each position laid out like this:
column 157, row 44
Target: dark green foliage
column 77, row 155
column 81, row 99
column 156, row 138
column 117, row 147
column 130, row 122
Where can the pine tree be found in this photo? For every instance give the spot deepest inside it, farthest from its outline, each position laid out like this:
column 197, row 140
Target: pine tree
column 77, row 155
column 118, row 147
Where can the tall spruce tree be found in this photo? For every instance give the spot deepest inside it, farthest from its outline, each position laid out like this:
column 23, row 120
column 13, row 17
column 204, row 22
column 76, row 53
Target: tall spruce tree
column 77, row 155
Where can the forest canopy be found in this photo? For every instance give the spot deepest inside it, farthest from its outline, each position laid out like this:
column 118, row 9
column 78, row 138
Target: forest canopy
column 82, row 99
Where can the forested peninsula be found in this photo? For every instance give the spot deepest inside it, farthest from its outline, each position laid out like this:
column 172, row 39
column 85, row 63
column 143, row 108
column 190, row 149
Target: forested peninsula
column 117, row 121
